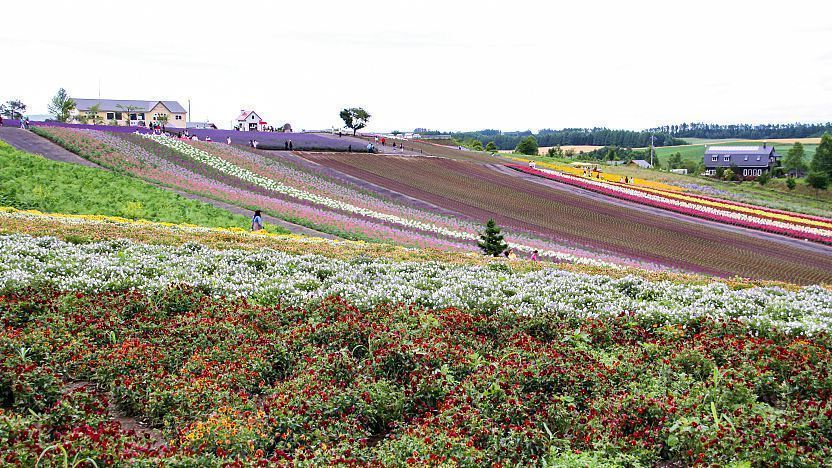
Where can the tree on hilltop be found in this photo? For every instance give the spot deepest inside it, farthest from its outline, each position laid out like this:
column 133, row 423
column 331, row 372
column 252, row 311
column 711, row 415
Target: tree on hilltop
column 491, row 242
column 355, row 118
column 61, row 106
column 822, row 161
column 527, row 146
column 13, row 109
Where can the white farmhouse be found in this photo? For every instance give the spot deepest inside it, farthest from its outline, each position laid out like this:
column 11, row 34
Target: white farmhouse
column 250, row 121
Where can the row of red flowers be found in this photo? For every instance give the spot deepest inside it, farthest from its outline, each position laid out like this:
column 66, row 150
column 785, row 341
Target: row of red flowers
column 598, row 188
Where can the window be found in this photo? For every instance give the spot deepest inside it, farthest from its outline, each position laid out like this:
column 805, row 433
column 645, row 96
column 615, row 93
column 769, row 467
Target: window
column 758, row 158
column 745, row 172
column 746, row 158
column 141, row 116
column 726, row 158
column 178, row 117
column 713, row 158
column 133, row 117
column 118, row 115
column 111, row 116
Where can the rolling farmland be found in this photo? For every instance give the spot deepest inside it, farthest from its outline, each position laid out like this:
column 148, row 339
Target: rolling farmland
column 480, row 192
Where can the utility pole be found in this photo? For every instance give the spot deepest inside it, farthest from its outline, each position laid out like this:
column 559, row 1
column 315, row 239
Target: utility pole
column 189, row 112
column 652, row 148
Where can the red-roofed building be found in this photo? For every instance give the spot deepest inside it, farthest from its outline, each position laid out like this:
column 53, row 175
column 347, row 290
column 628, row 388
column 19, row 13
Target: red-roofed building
column 250, row 121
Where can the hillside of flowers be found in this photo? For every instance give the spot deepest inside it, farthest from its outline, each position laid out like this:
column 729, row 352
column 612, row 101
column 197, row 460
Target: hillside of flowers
column 764, row 219
column 250, row 179
column 141, row 343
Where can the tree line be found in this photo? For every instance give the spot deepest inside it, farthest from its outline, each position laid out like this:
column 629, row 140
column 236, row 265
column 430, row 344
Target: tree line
column 745, row 131
column 571, row 137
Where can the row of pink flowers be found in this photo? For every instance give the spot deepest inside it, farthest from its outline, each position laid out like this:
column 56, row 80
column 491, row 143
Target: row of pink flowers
column 669, row 205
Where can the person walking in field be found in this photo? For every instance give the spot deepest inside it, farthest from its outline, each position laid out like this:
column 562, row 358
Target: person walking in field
column 255, row 143
column 291, row 146
column 228, row 140
column 534, row 256
column 256, row 221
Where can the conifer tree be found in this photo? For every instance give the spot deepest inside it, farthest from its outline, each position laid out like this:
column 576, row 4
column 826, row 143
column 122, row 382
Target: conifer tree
column 492, row 241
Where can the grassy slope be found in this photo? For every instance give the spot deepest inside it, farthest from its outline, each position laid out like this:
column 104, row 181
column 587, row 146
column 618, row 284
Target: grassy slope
column 32, row 182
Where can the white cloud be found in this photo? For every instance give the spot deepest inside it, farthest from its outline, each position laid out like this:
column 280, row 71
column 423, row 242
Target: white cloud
column 449, row 65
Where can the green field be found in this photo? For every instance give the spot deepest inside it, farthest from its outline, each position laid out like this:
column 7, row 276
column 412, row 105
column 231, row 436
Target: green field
column 31, row 182
column 695, row 152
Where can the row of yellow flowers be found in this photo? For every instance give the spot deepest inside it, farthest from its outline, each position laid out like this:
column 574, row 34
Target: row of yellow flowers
column 665, row 190
column 606, row 177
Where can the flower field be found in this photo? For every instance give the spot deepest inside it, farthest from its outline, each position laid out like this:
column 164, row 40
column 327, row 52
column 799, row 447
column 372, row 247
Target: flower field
column 126, row 352
column 790, row 224
column 484, row 191
column 251, row 179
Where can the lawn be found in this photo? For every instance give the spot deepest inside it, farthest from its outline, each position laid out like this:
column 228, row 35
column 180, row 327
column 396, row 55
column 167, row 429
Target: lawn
column 29, row 181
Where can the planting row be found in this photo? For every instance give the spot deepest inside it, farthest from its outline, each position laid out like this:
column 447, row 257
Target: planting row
column 257, row 181
column 522, row 203
column 270, row 277
column 803, row 229
column 224, row 381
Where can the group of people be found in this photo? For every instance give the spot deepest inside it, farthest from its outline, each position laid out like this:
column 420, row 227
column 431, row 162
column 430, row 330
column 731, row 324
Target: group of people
column 24, row 123
column 509, row 254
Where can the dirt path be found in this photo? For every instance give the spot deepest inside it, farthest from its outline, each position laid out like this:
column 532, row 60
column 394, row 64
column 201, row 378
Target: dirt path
column 151, row 436
column 25, row 140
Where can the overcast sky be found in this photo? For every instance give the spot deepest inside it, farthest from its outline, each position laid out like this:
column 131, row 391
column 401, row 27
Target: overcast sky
column 450, row 65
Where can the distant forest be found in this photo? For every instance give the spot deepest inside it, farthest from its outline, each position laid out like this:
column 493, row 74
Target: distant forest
column 571, row 136
column 744, row 131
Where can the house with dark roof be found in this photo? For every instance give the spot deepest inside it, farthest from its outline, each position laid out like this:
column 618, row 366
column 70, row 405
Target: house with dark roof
column 749, row 161
column 129, row 112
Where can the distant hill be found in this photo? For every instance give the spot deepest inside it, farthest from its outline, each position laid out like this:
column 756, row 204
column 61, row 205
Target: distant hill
column 572, row 137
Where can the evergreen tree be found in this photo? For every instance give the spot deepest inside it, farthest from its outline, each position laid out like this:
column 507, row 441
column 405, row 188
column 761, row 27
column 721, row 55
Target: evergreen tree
column 61, row 106
column 791, row 183
column 794, row 159
column 492, row 241
column 822, row 161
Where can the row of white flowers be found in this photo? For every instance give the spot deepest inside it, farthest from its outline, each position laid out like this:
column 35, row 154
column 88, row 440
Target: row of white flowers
column 270, row 276
column 695, row 206
column 232, row 169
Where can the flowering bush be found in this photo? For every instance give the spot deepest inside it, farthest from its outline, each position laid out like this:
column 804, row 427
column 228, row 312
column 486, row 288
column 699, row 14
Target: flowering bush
column 220, row 380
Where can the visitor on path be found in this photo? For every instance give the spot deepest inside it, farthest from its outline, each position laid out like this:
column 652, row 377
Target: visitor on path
column 255, row 143
column 195, row 138
column 228, row 140
column 1, row 120
column 369, row 147
column 286, row 145
column 291, row 146
column 256, row 221
column 534, row 256
column 349, row 149
column 383, row 141
column 251, row 143
column 208, row 138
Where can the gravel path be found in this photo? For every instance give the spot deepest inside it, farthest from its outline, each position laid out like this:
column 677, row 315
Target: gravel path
column 25, row 140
